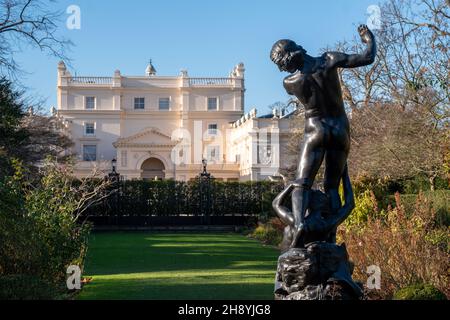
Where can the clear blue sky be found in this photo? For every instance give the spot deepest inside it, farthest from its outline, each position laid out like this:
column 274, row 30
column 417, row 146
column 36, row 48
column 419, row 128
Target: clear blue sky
column 207, row 37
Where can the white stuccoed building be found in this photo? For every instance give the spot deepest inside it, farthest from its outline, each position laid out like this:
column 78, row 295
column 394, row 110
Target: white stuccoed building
column 163, row 126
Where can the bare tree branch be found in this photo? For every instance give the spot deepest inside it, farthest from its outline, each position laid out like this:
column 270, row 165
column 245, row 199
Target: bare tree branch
column 28, row 22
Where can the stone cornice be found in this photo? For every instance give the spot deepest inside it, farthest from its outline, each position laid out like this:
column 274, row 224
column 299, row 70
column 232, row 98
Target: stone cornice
column 132, row 114
column 143, row 145
column 129, row 141
column 191, row 114
column 203, row 114
column 69, row 112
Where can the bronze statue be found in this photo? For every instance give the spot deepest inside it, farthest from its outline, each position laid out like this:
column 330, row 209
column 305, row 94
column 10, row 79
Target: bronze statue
column 315, row 82
column 320, row 221
column 312, row 265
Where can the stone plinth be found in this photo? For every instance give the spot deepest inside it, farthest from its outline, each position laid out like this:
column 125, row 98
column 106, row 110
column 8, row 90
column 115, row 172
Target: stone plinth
column 320, row 271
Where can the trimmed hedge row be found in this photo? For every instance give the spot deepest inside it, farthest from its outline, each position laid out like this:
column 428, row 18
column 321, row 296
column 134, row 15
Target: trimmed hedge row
column 178, row 198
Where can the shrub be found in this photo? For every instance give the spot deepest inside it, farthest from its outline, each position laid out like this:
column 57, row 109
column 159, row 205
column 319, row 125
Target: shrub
column 26, row 287
column 366, row 206
column 438, row 199
column 61, row 239
column 419, row 292
column 379, row 186
column 422, row 183
column 383, row 186
column 268, row 233
column 399, row 244
column 40, row 233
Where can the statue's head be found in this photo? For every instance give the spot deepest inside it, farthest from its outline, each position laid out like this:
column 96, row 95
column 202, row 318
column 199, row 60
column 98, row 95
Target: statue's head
column 287, row 55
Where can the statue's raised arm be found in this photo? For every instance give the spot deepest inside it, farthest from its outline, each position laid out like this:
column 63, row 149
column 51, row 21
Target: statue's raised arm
column 343, row 60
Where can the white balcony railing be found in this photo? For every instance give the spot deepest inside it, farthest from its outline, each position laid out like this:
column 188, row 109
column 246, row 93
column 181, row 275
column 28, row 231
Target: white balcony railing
column 91, row 80
column 210, row 81
column 135, row 81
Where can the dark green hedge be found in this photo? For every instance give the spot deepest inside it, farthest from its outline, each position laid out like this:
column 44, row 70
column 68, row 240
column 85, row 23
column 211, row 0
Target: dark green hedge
column 175, row 198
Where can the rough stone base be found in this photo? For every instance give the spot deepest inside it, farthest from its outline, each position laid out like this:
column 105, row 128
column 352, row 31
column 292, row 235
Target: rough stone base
column 320, row 271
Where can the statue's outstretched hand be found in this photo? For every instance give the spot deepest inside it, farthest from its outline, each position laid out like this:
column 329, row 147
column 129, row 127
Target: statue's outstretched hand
column 365, row 33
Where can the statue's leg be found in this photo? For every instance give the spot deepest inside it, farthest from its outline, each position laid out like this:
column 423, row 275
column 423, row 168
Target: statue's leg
column 300, row 202
column 335, row 161
column 287, row 239
column 311, row 158
column 337, row 150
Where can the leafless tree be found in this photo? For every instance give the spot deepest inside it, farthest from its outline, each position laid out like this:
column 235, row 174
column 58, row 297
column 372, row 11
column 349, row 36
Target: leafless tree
column 398, row 130
column 28, row 22
column 46, row 137
column 399, row 106
column 78, row 194
column 412, row 56
column 393, row 143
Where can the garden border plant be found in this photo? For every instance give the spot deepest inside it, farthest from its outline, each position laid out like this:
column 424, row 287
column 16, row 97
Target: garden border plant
column 40, row 229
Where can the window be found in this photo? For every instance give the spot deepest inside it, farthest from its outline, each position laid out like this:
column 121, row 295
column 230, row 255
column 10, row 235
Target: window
column 139, row 103
column 213, row 153
column 212, row 129
column 212, row 103
column 89, row 129
column 264, row 154
column 164, row 103
column 89, row 153
column 264, row 148
column 90, row 102
column 124, row 158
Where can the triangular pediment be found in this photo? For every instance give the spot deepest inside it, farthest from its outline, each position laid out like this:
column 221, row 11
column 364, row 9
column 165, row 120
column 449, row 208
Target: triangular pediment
column 148, row 136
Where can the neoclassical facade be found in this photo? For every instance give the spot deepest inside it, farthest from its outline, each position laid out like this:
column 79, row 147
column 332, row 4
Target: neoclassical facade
column 162, row 127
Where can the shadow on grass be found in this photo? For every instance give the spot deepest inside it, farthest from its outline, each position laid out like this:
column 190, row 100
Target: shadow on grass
column 141, row 252
column 141, row 290
column 178, row 266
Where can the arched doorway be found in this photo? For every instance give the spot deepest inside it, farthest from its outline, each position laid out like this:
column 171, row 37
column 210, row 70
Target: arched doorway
column 152, row 168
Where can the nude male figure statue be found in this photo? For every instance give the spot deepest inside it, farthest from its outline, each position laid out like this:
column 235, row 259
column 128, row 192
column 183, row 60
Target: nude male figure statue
column 315, row 82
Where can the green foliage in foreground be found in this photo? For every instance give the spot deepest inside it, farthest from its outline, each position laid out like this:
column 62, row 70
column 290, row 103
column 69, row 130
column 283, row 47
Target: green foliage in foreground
column 419, row 292
column 39, row 234
column 178, row 266
column 26, row 287
column 368, row 205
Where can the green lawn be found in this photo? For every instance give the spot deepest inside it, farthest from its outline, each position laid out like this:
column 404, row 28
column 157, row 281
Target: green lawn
column 178, row 266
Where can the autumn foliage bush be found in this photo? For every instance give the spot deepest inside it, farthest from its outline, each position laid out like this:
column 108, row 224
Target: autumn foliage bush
column 409, row 247
column 409, row 243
